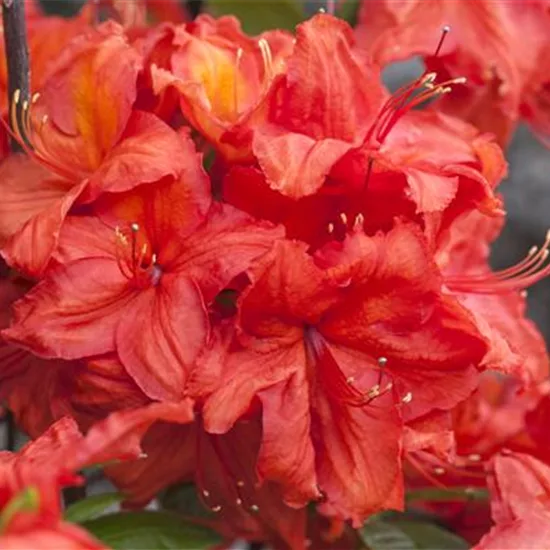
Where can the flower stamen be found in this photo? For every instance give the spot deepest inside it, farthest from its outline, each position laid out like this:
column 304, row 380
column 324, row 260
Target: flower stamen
column 525, row 273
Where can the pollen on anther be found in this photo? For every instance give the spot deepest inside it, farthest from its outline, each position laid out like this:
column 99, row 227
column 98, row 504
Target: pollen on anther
column 474, row 457
column 382, row 361
column 16, row 96
column 35, row 97
column 359, row 221
column 143, row 455
column 238, row 502
column 439, row 471
column 330, row 228
column 407, row 398
column 254, row 508
column 350, row 380
column 344, row 218
column 206, row 493
column 240, row 483
column 134, row 227
column 446, row 28
column 216, row 508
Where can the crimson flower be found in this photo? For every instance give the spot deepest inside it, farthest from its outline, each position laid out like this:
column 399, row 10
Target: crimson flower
column 338, row 349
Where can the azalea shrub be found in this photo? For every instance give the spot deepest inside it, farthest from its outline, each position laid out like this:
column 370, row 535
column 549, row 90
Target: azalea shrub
column 250, row 287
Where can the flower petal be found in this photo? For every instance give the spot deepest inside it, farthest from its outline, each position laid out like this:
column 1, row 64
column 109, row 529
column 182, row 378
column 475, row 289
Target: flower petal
column 73, row 312
column 161, row 334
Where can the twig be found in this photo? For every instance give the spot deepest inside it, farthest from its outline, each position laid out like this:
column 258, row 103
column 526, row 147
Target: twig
column 17, row 53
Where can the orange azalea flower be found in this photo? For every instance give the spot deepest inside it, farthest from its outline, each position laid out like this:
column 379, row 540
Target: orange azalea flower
column 224, row 79
column 83, row 138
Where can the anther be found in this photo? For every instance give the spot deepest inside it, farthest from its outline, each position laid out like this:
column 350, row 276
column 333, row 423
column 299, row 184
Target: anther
column 134, row 227
column 407, row 398
column 238, row 502
column 350, row 380
column 216, row 508
column 25, row 105
column 330, row 228
column 16, row 96
column 382, row 361
column 374, row 392
column 254, row 508
column 35, row 97
column 439, row 471
column 344, row 218
column 143, row 455
column 206, row 493
column 240, row 483
column 45, row 119
column 523, row 294
column 359, row 221
column 474, row 457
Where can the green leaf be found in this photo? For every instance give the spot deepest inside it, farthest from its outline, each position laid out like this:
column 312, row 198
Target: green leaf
column 447, row 495
column 348, row 10
column 91, row 507
column 380, row 535
column 257, row 17
column 148, row 530
column 428, row 536
column 397, row 532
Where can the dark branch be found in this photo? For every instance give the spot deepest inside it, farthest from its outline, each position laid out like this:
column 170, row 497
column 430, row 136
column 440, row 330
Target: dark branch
column 17, row 53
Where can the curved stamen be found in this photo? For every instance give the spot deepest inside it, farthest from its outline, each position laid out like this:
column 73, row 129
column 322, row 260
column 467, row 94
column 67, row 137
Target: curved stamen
column 525, row 273
column 21, row 129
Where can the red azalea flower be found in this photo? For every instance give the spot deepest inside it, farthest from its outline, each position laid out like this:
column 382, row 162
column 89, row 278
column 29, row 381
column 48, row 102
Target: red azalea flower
column 520, row 505
column 49, row 463
column 138, row 281
column 338, row 146
column 497, row 46
column 29, row 530
column 224, row 79
column 224, row 470
column 337, row 349
column 85, row 134
column 496, row 298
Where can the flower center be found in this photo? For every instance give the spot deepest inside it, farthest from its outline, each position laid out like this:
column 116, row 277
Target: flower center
column 136, row 262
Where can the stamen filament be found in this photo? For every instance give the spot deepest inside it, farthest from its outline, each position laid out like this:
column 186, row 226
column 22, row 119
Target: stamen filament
column 525, row 273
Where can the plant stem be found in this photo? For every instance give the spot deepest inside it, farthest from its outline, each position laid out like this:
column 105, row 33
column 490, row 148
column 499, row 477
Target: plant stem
column 17, row 53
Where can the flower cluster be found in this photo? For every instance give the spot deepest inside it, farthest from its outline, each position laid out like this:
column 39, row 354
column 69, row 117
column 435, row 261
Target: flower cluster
column 248, row 256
